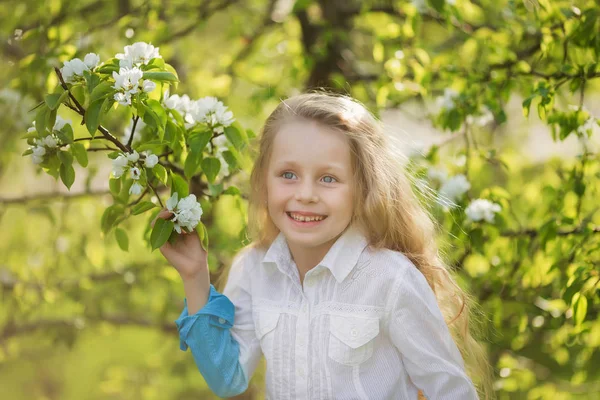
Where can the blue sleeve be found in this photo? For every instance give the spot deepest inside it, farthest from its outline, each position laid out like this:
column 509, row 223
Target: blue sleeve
column 215, row 351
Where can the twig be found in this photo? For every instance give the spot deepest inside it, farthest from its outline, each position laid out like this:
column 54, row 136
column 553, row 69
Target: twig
column 81, row 111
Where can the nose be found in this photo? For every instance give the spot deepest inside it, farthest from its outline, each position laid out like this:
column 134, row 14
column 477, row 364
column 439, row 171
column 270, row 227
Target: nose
column 306, row 193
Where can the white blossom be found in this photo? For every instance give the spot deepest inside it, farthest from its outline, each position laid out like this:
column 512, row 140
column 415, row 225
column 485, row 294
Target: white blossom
column 60, row 123
column 437, row 174
column 133, row 157
column 135, row 189
column 123, row 99
column 211, row 111
column 151, row 159
column 118, row 165
column 172, row 202
column 220, row 143
column 455, row 187
column 148, row 86
column 50, row 141
column 39, row 151
column 420, row 5
column 135, row 173
column 37, row 159
column 38, row 154
column 91, row 60
column 72, row 69
column 447, row 100
column 187, row 212
column 127, row 80
column 32, row 128
column 137, row 54
column 181, row 104
column 484, row 118
column 482, row 209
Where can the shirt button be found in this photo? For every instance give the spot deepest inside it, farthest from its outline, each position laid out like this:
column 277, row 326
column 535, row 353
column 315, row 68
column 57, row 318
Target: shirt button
column 353, row 332
column 301, row 372
column 221, row 320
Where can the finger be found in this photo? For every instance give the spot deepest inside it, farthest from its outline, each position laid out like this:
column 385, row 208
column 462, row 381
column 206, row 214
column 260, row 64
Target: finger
column 164, row 214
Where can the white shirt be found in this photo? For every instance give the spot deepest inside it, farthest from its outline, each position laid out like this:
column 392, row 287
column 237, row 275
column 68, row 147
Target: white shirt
column 365, row 325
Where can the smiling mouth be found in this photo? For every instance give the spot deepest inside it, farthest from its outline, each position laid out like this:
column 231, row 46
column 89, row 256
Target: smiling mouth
column 306, row 218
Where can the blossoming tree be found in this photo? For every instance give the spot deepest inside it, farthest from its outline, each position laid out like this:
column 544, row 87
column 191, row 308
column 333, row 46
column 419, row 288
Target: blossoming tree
column 200, row 136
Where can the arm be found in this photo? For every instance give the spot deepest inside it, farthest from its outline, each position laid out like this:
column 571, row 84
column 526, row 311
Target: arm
column 418, row 330
column 221, row 334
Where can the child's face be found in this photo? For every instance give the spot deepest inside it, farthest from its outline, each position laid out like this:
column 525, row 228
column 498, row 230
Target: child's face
column 310, row 175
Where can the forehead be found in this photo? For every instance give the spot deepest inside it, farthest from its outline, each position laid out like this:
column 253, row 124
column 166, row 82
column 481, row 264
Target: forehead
column 308, row 142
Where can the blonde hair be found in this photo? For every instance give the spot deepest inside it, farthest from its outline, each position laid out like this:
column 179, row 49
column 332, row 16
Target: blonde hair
column 386, row 208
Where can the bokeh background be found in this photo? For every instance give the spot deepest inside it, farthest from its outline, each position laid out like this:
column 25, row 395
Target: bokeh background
column 502, row 92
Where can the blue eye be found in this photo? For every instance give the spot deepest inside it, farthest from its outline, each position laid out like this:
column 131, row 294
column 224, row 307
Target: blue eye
column 288, row 175
column 332, row 179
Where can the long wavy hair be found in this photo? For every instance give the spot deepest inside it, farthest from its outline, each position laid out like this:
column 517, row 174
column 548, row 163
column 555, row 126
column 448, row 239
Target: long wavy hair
column 386, row 209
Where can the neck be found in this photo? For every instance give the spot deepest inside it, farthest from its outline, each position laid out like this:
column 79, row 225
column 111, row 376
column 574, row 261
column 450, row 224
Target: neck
column 306, row 258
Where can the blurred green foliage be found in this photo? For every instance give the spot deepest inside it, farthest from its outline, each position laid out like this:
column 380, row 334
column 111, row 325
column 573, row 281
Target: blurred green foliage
column 80, row 318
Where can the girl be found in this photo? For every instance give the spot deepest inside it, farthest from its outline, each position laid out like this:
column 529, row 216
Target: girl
column 342, row 290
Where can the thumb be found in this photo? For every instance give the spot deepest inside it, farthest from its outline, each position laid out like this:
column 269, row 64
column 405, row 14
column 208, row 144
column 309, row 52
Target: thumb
column 164, row 214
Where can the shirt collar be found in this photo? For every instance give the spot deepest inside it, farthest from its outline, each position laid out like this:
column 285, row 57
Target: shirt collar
column 341, row 258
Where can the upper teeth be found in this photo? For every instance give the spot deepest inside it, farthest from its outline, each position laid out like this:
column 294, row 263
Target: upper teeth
column 306, row 219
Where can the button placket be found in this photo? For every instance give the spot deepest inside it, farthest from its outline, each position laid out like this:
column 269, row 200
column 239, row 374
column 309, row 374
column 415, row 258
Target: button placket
column 302, row 334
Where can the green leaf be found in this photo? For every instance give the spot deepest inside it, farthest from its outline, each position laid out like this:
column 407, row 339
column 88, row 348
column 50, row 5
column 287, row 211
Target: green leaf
column 101, row 91
column 527, row 105
column 192, row 162
column 162, row 76
column 171, row 132
column 122, row 239
column 67, row 175
column 236, row 136
column 30, row 135
column 159, row 112
column 142, row 207
column 161, row 173
column 93, row 115
column 179, row 185
column 438, row 5
column 216, row 189
column 154, row 145
column 80, row 154
column 161, row 232
column 55, row 99
column 109, row 217
column 92, row 80
column 66, row 134
column 203, row 235
column 65, row 157
column 115, row 186
column 108, row 69
column 232, row 190
column 579, row 308
column 40, row 120
column 198, row 140
column 230, row 159
column 211, row 167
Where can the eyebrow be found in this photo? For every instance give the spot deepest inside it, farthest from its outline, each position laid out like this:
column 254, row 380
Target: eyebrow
column 290, row 163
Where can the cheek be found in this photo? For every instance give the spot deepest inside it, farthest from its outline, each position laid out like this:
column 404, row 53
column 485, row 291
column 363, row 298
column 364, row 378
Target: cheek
column 343, row 200
column 276, row 193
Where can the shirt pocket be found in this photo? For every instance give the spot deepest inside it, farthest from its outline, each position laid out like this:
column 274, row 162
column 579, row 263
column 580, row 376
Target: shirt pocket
column 351, row 338
column 265, row 322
